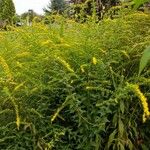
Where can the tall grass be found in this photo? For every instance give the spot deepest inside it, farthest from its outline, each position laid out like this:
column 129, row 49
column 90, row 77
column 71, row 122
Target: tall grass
column 66, row 85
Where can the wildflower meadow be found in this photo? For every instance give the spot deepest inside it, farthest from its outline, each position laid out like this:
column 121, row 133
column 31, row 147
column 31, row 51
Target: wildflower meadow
column 76, row 86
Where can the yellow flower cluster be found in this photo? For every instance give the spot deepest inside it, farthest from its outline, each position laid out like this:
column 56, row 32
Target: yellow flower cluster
column 82, row 68
column 17, row 112
column 67, row 65
column 94, row 60
column 23, row 54
column 47, row 42
column 5, row 67
column 143, row 99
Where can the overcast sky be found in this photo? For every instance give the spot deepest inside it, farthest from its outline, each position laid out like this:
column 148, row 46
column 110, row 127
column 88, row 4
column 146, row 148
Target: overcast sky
column 24, row 5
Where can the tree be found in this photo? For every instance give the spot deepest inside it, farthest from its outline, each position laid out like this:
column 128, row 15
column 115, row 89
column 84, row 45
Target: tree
column 88, row 7
column 29, row 16
column 55, row 6
column 7, row 10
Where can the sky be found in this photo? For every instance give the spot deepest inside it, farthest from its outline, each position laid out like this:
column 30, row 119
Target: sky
column 24, row 5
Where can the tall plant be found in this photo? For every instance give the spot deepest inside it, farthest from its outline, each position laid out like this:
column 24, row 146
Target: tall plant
column 7, row 10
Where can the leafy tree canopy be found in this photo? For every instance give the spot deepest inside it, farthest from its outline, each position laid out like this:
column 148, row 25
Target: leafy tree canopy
column 55, row 6
column 7, row 10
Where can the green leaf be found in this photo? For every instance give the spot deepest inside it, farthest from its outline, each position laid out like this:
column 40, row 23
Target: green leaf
column 144, row 147
column 111, row 138
column 122, row 107
column 130, row 145
column 6, row 138
column 120, row 146
column 5, row 111
column 138, row 3
column 120, row 128
column 114, row 120
column 144, row 59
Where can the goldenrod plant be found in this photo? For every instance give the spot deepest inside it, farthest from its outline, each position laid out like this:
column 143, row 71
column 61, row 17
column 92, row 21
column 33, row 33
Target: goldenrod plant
column 76, row 86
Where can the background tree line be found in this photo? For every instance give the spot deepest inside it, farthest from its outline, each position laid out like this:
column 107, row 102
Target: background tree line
column 76, row 9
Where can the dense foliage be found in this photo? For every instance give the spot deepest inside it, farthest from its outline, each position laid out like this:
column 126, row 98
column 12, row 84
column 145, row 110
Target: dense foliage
column 81, row 9
column 55, row 6
column 71, row 86
column 7, row 10
column 138, row 3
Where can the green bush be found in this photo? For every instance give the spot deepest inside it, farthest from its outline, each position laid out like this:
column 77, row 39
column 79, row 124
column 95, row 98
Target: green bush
column 70, row 86
column 7, row 10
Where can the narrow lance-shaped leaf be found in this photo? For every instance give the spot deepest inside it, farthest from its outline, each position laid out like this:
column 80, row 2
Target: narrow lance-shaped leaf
column 138, row 3
column 111, row 138
column 144, row 59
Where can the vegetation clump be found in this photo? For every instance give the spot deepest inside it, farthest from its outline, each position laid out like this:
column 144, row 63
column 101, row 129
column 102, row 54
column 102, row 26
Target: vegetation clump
column 7, row 10
column 72, row 86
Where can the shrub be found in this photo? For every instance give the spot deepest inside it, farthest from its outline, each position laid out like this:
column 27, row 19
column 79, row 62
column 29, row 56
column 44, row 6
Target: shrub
column 72, row 86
